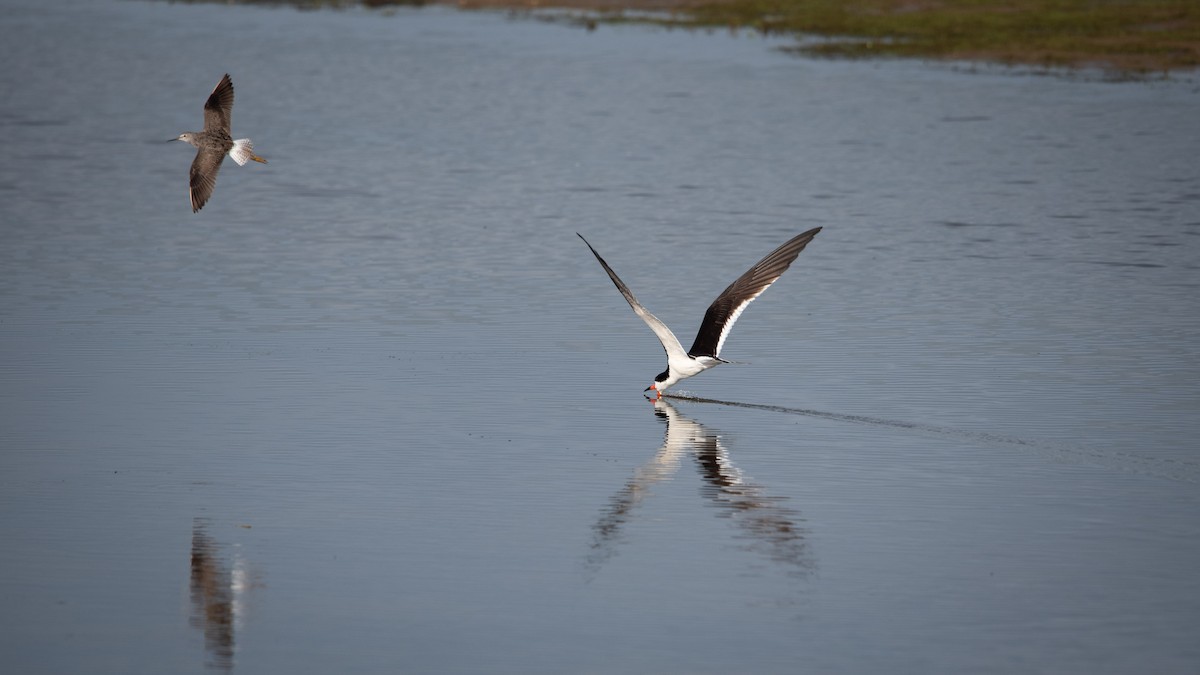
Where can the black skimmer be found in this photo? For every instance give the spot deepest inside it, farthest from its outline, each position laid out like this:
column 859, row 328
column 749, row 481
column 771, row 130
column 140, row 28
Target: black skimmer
column 214, row 143
column 718, row 320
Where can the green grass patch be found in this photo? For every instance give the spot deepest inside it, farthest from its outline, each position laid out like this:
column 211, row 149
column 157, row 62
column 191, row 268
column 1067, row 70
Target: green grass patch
column 1137, row 36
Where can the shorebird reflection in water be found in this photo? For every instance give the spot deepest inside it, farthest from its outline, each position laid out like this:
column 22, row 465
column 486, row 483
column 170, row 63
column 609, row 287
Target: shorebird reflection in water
column 214, row 143
column 772, row 529
column 218, row 596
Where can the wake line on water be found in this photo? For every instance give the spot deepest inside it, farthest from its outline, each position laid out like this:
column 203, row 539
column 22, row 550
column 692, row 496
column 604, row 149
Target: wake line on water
column 1160, row 468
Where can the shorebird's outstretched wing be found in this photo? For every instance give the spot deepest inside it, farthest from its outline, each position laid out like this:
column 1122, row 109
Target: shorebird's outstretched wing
column 204, row 176
column 725, row 310
column 669, row 342
column 218, row 109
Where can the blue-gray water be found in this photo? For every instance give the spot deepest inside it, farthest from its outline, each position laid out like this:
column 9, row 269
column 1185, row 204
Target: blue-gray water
column 376, row 408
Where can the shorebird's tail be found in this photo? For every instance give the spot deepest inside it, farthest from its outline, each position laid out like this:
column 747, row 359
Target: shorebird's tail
column 243, row 151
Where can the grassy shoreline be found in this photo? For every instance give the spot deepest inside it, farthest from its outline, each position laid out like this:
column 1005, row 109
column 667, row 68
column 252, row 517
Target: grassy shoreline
column 1129, row 37
column 1126, row 38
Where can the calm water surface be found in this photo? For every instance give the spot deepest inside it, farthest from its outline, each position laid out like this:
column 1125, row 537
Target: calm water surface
column 376, row 408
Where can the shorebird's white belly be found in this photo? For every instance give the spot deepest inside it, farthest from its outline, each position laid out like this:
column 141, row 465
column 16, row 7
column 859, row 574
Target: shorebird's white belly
column 690, row 367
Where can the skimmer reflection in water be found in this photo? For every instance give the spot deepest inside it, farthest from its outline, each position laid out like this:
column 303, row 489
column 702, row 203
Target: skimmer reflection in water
column 770, row 528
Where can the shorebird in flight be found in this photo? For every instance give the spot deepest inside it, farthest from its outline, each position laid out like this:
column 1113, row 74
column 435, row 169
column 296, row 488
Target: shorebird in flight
column 214, row 143
column 718, row 320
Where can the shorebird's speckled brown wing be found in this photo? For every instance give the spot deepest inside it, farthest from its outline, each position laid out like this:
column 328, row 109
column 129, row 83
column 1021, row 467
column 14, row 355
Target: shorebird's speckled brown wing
column 725, row 310
column 218, row 109
column 204, row 176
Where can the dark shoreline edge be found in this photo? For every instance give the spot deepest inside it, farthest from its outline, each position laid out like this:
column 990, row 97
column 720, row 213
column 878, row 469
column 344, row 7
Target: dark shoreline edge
column 1117, row 39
